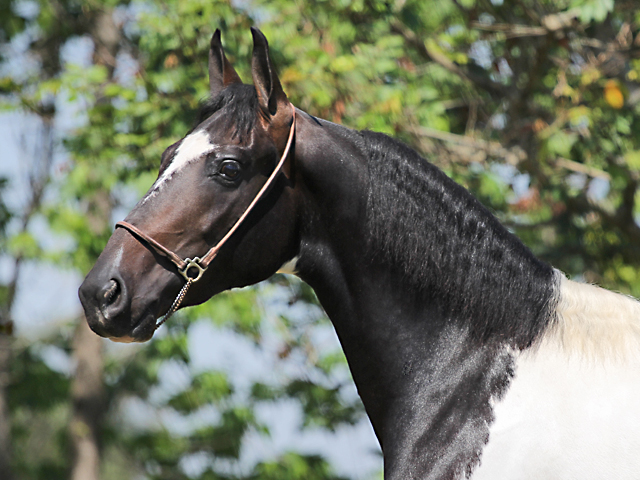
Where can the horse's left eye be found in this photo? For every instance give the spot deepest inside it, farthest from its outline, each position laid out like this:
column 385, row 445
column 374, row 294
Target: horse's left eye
column 230, row 169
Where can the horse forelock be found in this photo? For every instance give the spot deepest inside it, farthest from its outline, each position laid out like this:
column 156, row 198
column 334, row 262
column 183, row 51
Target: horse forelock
column 235, row 109
column 445, row 245
column 241, row 107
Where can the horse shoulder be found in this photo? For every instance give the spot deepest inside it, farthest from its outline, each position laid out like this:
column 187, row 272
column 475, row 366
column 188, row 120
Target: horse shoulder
column 573, row 410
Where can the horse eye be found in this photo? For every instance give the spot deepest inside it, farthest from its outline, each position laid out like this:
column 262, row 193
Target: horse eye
column 230, row 169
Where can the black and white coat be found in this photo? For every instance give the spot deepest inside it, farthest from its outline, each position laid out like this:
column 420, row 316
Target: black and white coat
column 473, row 358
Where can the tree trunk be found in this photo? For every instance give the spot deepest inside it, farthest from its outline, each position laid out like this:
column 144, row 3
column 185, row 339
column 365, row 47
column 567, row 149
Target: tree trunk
column 89, row 403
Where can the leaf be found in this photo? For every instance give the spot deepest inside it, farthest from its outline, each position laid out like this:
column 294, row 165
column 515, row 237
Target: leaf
column 206, row 388
column 24, row 244
column 592, row 10
column 561, row 142
column 225, row 439
column 294, row 466
column 323, row 406
column 632, row 159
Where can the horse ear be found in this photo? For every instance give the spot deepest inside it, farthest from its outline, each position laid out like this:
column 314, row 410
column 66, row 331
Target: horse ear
column 272, row 99
column 221, row 72
column 270, row 94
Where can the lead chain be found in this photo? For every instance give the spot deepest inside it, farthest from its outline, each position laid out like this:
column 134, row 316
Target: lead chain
column 176, row 302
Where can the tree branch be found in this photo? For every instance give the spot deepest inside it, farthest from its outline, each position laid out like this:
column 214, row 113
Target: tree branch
column 513, row 156
column 430, row 54
column 511, row 31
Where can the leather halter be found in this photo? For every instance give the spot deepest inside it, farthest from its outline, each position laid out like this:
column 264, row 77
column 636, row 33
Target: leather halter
column 186, row 266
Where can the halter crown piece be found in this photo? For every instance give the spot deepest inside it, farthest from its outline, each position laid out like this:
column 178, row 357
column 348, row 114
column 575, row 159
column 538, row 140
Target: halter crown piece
column 193, row 269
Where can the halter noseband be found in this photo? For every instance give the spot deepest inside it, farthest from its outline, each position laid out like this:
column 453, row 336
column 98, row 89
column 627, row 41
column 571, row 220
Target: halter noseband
column 201, row 264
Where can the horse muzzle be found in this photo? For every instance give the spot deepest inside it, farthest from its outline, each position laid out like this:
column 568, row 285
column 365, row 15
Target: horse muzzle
column 107, row 304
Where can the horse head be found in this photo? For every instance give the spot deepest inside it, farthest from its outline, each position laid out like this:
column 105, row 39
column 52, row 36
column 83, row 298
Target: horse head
column 208, row 180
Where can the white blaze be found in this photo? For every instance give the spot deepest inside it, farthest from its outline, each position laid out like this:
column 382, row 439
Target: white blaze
column 192, row 147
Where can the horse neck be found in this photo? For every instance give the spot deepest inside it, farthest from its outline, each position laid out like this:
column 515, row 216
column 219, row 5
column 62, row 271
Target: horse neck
column 419, row 369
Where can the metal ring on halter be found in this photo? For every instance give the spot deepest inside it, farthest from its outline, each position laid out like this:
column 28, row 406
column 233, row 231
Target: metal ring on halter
column 195, row 263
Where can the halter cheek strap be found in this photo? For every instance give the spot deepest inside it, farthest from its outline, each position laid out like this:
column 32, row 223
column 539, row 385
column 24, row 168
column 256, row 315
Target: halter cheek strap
column 193, row 269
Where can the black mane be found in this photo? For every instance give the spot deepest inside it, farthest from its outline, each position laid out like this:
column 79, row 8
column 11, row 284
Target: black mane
column 446, row 245
column 241, row 103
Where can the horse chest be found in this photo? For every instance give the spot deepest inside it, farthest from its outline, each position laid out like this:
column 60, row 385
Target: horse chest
column 565, row 418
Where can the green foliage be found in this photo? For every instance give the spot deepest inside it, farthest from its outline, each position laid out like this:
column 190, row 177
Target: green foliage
column 29, row 377
column 238, row 310
column 549, row 88
column 40, row 444
column 224, row 440
column 293, row 466
column 593, row 10
column 206, row 388
column 38, row 401
column 24, row 245
column 158, row 450
column 322, row 406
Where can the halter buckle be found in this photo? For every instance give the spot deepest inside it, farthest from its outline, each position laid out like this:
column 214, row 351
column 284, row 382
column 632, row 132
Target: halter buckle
column 192, row 263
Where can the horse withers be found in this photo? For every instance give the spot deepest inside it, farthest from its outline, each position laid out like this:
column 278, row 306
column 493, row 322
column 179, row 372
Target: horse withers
column 472, row 357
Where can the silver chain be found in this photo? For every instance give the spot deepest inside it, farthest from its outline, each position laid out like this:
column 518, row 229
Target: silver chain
column 176, row 303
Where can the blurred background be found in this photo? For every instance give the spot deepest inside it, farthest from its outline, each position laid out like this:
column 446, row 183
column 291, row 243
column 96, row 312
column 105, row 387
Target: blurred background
column 531, row 104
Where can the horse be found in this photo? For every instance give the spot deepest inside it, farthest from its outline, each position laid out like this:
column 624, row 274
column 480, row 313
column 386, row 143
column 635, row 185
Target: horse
column 472, row 357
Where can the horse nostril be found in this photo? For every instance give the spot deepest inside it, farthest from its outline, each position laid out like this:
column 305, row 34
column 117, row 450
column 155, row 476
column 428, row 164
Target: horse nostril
column 112, row 299
column 106, row 302
column 112, row 292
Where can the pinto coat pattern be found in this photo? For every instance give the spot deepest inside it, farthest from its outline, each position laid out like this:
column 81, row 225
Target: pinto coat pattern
column 473, row 358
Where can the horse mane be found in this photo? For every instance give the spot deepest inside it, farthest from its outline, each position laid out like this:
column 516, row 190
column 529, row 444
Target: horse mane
column 442, row 243
column 241, row 104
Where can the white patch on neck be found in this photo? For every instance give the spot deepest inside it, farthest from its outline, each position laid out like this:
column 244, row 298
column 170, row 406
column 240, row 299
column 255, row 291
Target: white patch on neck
column 289, row 267
column 192, row 147
column 571, row 410
column 594, row 322
column 565, row 417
